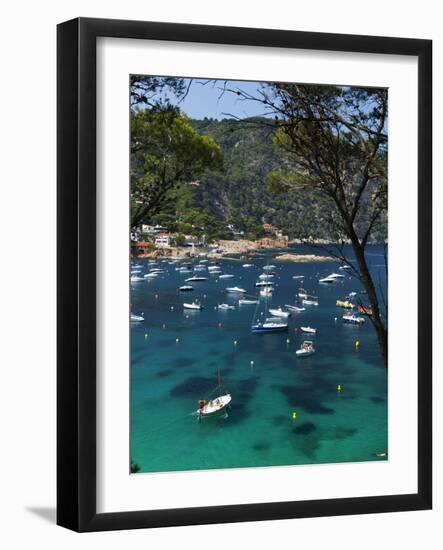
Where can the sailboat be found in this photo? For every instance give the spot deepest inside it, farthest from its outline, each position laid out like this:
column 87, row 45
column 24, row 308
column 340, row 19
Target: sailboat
column 214, row 406
column 270, row 324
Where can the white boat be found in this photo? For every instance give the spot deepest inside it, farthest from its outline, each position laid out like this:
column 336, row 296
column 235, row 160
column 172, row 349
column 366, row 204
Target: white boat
column 345, row 267
column 200, row 268
column 326, row 280
column 294, row 308
column 225, row 306
column 136, row 318
column 298, row 276
column 264, row 283
column 150, row 275
column 310, row 330
column 270, row 325
column 279, row 312
column 236, row 289
column 309, row 302
column 214, row 406
column 136, row 279
column 193, row 305
column 186, row 288
column 265, row 276
column 353, row 319
column 244, row 302
column 248, row 265
column 352, row 295
column 156, row 270
column 307, row 348
column 196, row 279
column 269, row 267
column 136, row 266
column 226, row 276
column 135, row 271
column 302, row 293
column 203, row 262
column 214, row 268
column 266, row 291
column 336, row 276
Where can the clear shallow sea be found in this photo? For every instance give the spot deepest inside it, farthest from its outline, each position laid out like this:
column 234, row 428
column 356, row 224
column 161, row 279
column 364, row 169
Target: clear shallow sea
column 168, row 377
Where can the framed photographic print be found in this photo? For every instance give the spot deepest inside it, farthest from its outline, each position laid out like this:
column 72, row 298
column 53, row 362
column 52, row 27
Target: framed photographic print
column 244, row 274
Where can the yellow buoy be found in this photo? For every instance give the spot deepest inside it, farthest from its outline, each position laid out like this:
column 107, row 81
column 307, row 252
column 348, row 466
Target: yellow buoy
column 357, row 344
column 339, row 388
column 294, row 415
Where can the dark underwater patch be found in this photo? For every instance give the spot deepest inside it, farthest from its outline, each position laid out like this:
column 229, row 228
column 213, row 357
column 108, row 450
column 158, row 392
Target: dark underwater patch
column 164, row 373
column 308, row 398
column 195, row 386
column 262, row 446
column 378, row 400
column 305, row 429
column 183, row 361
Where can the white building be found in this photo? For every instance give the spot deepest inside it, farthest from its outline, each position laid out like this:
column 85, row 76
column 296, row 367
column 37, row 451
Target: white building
column 163, row 240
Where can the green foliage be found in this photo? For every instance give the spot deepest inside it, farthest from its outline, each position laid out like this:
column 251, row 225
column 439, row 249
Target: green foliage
column 135, row 468
column 166, row 152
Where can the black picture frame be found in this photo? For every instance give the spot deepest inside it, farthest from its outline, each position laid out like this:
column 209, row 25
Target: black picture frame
column 76, row 264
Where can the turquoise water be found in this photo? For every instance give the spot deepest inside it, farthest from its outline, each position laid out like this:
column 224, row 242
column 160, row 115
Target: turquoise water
column 168, row 377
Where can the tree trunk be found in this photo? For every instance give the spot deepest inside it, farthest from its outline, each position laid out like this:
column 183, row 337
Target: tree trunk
column 366, row 279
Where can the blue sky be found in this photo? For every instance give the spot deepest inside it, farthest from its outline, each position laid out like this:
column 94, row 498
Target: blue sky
column 205, row 101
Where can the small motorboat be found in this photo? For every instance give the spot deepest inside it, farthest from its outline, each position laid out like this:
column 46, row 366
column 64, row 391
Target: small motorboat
column 244, row 302
column 226, row 276
column 136, row 318
column 345, row 267
column 326, row 280
column 307, row 348
column 236, row 289
column 266, row 291
column 213, row 268
column 196, row 279
column 344, row 303
column 248, row 265
column 309, row 330
column 264, row 283
column 353, row 319
column 352, row 295
column 365, row 310
column 270, row 325
column 269, row 267
column 214, row 406
column 136, row 279
column 265, row 276
column 310, row 301
column 193, row 305
column 336, row 276
column 302, row 293
column 279, row 312
column 225, row 306
column 298, row 276
column 186, row 288
column 294, row 308
column 136, row 266
column 150, row 275
column 200, row 268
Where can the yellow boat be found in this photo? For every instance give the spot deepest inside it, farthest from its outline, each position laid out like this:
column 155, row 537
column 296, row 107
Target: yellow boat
column 344, row 303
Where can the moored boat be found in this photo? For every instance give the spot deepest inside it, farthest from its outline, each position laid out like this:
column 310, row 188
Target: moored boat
column 309, row 330
column 307, row 348
column 279, row 312
column 236, row 289
column 193, row 305
column 245, row 302
column 270, row 325
column 353, row 319
column 186, row 288
column 225, row 306
column 344, row 303
column 196, row 279
column 294, row 308
column 365, row 310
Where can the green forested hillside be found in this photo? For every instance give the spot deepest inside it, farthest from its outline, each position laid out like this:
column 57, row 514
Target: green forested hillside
column 239, row 193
